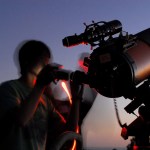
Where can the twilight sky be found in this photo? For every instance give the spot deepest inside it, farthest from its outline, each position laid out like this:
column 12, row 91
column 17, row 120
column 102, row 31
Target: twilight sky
column 51, row 21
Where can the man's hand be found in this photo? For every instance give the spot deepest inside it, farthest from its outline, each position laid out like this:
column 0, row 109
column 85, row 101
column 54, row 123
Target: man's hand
column 46, row 76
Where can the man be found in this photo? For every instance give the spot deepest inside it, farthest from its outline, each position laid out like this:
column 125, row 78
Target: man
column 28, row 120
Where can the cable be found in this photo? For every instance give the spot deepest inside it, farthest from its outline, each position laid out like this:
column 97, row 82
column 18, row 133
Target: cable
column 117, row 113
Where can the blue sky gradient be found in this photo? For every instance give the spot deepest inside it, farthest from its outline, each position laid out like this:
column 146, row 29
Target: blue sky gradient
column 51, row 21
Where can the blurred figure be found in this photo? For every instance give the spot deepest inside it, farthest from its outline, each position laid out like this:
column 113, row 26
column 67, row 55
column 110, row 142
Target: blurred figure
column 28, row 119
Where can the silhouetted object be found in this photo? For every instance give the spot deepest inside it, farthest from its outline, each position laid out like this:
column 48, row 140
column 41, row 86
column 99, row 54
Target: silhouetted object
column 89, row 94
column 119, row 66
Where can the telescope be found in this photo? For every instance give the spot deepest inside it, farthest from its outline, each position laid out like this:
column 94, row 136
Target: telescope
column 119, row 65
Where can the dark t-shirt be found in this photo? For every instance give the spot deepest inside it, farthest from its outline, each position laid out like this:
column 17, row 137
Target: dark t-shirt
column 34, row 135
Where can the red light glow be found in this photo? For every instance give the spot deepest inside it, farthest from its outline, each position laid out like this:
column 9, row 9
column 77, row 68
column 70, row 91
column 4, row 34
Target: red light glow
column 75, row 142
column 69, row 96
column 63, row 84
column 135, row 147
column 85, row 69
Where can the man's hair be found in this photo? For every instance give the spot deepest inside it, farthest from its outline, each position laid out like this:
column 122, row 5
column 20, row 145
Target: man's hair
column 32, row 52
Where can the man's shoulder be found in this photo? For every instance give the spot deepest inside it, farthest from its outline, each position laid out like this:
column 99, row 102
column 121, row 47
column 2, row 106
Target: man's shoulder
column 9, row 83
column 10, row 86
column 8, row 90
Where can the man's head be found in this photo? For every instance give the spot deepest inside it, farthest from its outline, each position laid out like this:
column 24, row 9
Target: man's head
column 32, row 54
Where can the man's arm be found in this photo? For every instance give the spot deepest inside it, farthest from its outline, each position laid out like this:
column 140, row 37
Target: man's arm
column 28, row 108
column 29, row 105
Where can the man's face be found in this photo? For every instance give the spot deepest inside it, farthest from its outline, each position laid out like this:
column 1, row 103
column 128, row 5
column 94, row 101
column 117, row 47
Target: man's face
column 39, row 66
